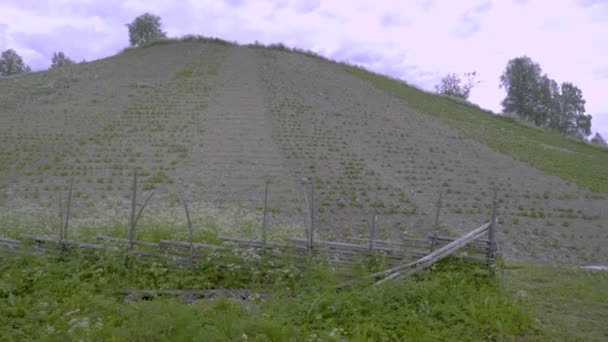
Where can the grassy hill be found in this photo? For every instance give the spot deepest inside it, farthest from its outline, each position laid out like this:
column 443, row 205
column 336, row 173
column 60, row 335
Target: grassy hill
column 551, row 152
column 214, row 121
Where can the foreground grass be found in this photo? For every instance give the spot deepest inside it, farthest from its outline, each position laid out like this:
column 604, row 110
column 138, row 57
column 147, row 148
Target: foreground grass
column 75, row 299
column 550, row 152
column 570, row 304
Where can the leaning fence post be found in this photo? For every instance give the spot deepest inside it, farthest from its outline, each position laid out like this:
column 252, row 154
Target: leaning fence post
column 492, row 234
column 436, row 227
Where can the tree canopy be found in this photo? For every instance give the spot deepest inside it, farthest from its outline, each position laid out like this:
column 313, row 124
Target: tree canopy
column 598, row 139
column 12, row 64
column 144, row 29
column 60, row 60
column 453, row 85
column 535, row 97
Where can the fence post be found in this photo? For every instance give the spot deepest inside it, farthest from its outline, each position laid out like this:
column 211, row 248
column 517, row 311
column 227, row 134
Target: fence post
column 190, row 232
column 133, row 205
column 372, row 235
column 60, row 198
column 372, row 223
column 264, row 236
column 492, row 234
column 67, row 210
column 436, row 227
column 312, row 215
column 135, row 217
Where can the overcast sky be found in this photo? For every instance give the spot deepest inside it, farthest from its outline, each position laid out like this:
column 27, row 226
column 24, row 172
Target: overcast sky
column 417, row 40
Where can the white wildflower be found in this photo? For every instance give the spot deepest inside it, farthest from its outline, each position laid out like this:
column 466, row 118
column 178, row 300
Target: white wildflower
column 71, row 312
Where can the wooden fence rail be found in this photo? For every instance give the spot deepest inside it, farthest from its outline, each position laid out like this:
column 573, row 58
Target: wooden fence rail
column 397, row 255
column 426, row 261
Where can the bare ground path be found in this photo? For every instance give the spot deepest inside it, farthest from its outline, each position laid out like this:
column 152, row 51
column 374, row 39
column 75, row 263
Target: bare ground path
column 238, row 151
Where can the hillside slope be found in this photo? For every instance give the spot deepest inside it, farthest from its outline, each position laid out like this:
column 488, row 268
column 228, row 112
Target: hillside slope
column 217, row 121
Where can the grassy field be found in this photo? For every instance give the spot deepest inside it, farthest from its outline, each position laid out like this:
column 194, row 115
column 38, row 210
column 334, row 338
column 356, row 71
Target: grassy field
column 550, row 152
column 50, row 299
column 568, row 304
column 76, row 298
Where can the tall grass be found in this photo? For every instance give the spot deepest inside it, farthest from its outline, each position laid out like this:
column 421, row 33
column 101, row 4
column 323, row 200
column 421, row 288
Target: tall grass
column 74, row 299
column 570, row 304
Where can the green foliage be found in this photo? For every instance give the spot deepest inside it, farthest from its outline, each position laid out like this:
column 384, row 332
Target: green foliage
column 598, row 139
column 569, row 304
column 75, row 298
column 145, row 29
column 568, row 158
column 537, row 98
column 202, row 39
column 452, row 85
column 571, row 118
column 12, row 64
column 284, row 48
column 185, row 72
column 60, row 60
column 522, row 81
column 184, row 39
column 159, row 177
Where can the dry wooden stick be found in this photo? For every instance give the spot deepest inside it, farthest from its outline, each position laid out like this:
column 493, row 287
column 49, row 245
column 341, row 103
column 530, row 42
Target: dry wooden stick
column 406, row 273
column 143, row 207
column 376, row 274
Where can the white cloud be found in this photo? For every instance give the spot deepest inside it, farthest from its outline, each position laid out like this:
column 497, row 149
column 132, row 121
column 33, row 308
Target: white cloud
column 418, row 40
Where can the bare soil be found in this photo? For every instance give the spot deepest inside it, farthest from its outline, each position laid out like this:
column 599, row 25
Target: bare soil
column 217, row 122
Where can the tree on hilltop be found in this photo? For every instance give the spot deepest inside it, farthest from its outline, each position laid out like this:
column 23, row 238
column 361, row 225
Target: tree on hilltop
column 145, row 29
column 536, row 98
column 522, row 80
column 12, row 64
column 598, row 139
column 60, row 60
column 453, row 85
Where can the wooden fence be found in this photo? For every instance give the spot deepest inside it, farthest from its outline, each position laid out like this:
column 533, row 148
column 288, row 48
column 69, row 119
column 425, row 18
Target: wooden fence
column 396, row 254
